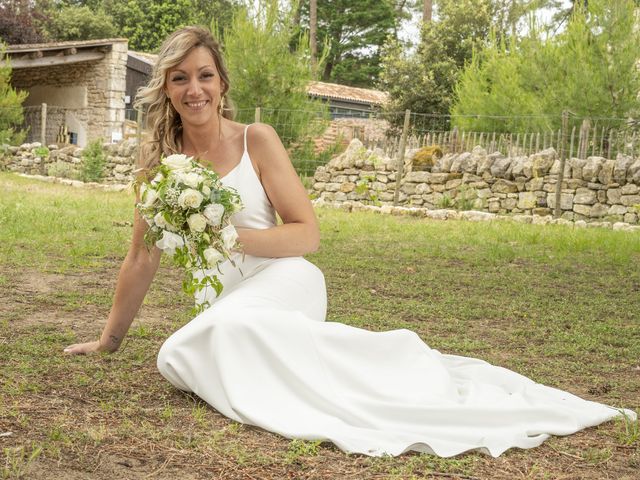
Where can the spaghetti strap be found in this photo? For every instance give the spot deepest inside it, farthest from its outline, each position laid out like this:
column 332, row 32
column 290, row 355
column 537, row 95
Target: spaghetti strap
column 245, row 139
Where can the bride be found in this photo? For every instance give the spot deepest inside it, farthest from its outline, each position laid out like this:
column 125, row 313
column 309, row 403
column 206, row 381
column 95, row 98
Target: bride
column 262, row 353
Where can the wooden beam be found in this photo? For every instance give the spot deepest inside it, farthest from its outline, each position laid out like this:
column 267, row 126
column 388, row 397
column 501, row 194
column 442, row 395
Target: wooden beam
column 56, row 60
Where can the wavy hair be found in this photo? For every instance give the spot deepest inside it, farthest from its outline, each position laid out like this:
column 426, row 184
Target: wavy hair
column 162, row 120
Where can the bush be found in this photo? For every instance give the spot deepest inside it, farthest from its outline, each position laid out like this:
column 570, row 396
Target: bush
column 62, row 169
column 93, row 162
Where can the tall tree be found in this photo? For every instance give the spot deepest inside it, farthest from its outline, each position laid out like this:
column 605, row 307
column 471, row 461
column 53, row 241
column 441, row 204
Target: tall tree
column 353, row 31
column 265, row 73
column 19, row 22
column 75, row 22
column 423, row 80
column 590, row 69
column 427, row 11
column 313, row 30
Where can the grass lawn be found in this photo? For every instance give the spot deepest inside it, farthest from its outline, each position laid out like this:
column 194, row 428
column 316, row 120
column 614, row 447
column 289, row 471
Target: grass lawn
column 559, row 305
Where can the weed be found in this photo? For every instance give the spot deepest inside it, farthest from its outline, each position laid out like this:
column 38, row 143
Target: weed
column 18, row 460
column 301, row 448
column 445, row 201
column 629, row 433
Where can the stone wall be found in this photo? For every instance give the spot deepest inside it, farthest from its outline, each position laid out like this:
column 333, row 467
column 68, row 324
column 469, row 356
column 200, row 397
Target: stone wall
column 66, row 161
column 595, row 189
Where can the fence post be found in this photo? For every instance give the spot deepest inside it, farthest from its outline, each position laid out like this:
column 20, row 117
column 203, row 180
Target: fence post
column 403, row 143
column 563, row 158
column 139, row 135
column 43, row 124
column 257, row 115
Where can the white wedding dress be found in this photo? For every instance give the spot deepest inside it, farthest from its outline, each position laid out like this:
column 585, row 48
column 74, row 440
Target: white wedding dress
column 263, row 355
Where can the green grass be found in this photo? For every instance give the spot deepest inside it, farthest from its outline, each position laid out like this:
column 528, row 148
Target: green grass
column 556, row 304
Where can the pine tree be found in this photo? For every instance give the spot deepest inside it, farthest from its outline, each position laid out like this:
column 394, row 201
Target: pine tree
column 265, row 73
column 11, row 115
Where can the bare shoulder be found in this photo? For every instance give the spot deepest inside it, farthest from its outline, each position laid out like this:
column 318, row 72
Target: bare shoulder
column 261, row 133
column 265, row 147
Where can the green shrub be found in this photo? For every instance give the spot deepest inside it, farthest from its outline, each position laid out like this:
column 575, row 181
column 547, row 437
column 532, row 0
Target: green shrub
column 42, row 152
column 62, row 169
column 93, row 162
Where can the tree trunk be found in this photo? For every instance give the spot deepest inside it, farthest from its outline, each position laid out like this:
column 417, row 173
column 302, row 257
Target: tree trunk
column 427, row 9
column 313, row 32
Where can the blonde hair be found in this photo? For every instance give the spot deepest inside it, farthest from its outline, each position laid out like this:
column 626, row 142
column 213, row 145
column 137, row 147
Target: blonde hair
column 162, row 121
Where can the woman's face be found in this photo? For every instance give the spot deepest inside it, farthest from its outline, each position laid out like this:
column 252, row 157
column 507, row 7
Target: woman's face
column 194, row 88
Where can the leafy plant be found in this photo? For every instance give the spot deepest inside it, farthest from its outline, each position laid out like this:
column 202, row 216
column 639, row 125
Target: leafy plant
column 301, row 448
column 93, row 162
column 445, row 201
column 466, row 198
column 41, row 152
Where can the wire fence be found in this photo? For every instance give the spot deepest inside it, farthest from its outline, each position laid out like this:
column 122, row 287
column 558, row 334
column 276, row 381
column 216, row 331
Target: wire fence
column 314, row 137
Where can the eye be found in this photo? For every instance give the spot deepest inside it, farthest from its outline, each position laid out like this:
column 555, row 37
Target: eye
column 208, row 75
column 178, row 78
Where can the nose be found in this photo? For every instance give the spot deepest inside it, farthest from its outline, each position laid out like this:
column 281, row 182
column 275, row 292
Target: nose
column 194, row 87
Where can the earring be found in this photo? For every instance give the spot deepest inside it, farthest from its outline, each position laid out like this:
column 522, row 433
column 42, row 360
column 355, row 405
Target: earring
column 221, row 105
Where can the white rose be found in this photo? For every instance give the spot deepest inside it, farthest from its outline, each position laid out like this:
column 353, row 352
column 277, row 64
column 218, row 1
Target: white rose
column 161, row 222
column 197, row 222
column 212, row 256
column 229, row 236
column 169, row 242
column 206, row 190
column 149, row 195
column 177, row 162
column 214, row 213
column 190, row 198
column 190, row 179
column 157, row 179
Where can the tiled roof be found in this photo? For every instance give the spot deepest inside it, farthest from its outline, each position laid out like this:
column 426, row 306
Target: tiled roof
column 26, row 47
column 343, row 92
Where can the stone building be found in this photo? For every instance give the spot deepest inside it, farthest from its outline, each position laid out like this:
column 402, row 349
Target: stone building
column 81, row 82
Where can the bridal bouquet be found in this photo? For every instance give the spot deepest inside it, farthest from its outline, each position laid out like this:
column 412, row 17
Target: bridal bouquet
column 188, row 211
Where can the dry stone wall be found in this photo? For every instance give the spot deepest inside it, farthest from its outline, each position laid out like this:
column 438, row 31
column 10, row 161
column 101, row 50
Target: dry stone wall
column 66, row 161
column 595, row 189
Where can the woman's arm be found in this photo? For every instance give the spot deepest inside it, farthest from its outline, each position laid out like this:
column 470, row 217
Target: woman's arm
column 299, row 233
column 136, row 273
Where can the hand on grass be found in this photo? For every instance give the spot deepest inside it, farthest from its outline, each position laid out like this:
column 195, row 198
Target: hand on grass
column 85, row 348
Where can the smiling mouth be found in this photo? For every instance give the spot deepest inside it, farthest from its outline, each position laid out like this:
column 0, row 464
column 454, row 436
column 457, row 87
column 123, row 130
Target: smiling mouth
column 197, row 105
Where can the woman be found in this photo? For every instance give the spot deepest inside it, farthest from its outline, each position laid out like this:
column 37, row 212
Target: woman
column 262, row 355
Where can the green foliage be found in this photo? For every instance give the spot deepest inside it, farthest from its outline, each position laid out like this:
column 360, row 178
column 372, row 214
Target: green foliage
column 353, row 32
column 75, row 22
column 445, row 201
column 147, row 23
column 93, row 162
column 589, row 69
column 301, row 448
column 11, row 115
column 42, row 152
column 61, row 169
column 465, row 198
column 305, row 159
column 424, row 81
column 265, row 73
